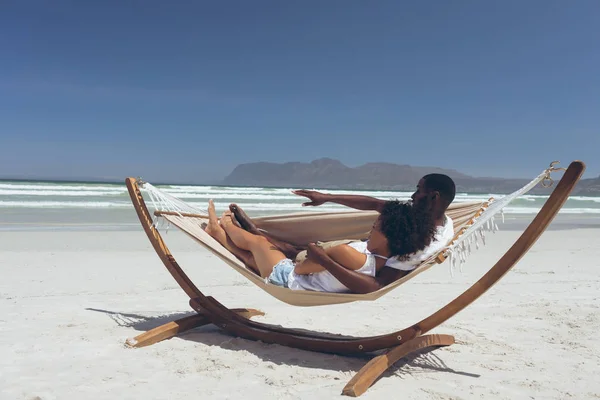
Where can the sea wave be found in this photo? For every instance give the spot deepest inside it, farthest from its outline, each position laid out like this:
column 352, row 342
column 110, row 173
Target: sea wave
column 78, row 193
column 584, row 198
column 257, row 208
column 258, row 200
column 532, row 210
column 63, row 204
column 193, row 188
column 49, row 186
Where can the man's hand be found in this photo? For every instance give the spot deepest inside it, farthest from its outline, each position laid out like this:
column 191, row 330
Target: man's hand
column 316, row 198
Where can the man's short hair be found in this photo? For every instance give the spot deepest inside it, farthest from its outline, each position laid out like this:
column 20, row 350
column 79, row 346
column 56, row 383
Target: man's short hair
column 443, row 184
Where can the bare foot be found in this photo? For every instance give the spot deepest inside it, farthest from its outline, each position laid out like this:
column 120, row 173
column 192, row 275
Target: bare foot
column 213, row 228
column 227, row 220
column 243, row 219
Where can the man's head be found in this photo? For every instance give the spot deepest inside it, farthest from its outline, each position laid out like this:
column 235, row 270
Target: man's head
column 435, row 192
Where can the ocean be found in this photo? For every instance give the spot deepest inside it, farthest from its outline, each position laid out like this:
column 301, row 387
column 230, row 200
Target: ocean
column 52, row 205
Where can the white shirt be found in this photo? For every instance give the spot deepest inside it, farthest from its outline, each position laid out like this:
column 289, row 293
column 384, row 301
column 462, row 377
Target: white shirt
column 326, row 282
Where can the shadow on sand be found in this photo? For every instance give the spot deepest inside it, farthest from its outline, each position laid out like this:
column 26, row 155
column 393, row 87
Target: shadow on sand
column 413, row 364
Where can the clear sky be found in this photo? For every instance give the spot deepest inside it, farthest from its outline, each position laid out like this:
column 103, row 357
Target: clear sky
column 186, row 90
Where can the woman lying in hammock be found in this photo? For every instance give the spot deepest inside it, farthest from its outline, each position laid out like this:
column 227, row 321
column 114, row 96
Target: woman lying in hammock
column 400, row 230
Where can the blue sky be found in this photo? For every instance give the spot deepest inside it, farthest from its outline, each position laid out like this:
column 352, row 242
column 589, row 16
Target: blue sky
column 186, row 90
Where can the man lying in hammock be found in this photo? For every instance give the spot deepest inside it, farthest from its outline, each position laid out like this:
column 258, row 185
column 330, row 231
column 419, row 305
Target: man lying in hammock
column 400, row 230
column 434, row 193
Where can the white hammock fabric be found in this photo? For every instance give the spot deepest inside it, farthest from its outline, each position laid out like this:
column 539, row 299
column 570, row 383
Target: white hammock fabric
column 472, row 221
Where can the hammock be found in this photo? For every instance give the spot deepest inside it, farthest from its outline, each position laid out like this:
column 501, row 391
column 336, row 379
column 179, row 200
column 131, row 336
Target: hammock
column 471, row 221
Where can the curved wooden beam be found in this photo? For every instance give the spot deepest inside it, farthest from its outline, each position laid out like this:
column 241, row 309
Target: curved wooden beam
column 535, row 229
column 157, row 242
column 301, row 339
column 172, row 328
column 276, row 328
column 378, row 365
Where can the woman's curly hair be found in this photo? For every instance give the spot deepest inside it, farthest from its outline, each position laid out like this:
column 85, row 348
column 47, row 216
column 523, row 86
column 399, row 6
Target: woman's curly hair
column 408, row 229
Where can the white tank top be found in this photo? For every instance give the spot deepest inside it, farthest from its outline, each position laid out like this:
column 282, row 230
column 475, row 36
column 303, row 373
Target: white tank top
column 326, row 282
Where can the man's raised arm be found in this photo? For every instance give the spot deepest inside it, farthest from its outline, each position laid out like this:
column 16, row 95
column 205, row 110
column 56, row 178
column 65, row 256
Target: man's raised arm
column 355, row 281
column 353, row 201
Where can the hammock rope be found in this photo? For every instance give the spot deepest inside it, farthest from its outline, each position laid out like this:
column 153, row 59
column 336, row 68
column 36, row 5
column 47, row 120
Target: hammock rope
column 459, row 250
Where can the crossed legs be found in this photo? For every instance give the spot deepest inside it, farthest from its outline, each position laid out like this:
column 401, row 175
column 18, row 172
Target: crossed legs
column 290, row 250
column 215, row 230
column 254, row 250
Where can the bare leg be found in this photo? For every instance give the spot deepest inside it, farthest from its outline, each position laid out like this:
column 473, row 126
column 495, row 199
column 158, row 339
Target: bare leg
column 290, row 250
column 265, row 254
column 218, row 233
column 245, row 222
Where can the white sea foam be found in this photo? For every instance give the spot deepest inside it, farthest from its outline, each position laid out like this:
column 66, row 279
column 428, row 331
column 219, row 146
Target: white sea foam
column 582, row 198
column 63, row 204
column 88, row 193
column 259, row 200
column 50, row 186
column 564, row 210
column 192, row 188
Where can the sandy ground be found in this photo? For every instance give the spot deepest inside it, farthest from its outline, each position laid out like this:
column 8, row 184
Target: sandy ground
column 68, row 301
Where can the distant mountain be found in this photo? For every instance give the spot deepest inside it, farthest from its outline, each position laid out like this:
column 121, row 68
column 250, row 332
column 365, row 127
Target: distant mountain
column 588, row 187
column 327, row 173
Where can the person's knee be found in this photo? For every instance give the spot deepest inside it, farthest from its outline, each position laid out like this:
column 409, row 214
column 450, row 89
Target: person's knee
column 260, row 241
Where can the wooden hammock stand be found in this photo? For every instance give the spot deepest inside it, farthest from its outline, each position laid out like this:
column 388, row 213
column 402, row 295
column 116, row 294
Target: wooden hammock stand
column 398, row 344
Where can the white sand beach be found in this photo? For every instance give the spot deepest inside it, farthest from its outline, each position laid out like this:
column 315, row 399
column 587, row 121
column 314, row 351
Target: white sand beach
column 487, row 111
column 69, row 300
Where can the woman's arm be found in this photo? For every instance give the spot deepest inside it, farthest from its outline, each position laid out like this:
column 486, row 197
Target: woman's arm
column 343, row 254
column 355, row 281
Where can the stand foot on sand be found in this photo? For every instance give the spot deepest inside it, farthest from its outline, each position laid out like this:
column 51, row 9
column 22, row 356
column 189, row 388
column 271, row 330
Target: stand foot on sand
column 378, row 365
column 173, row 328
